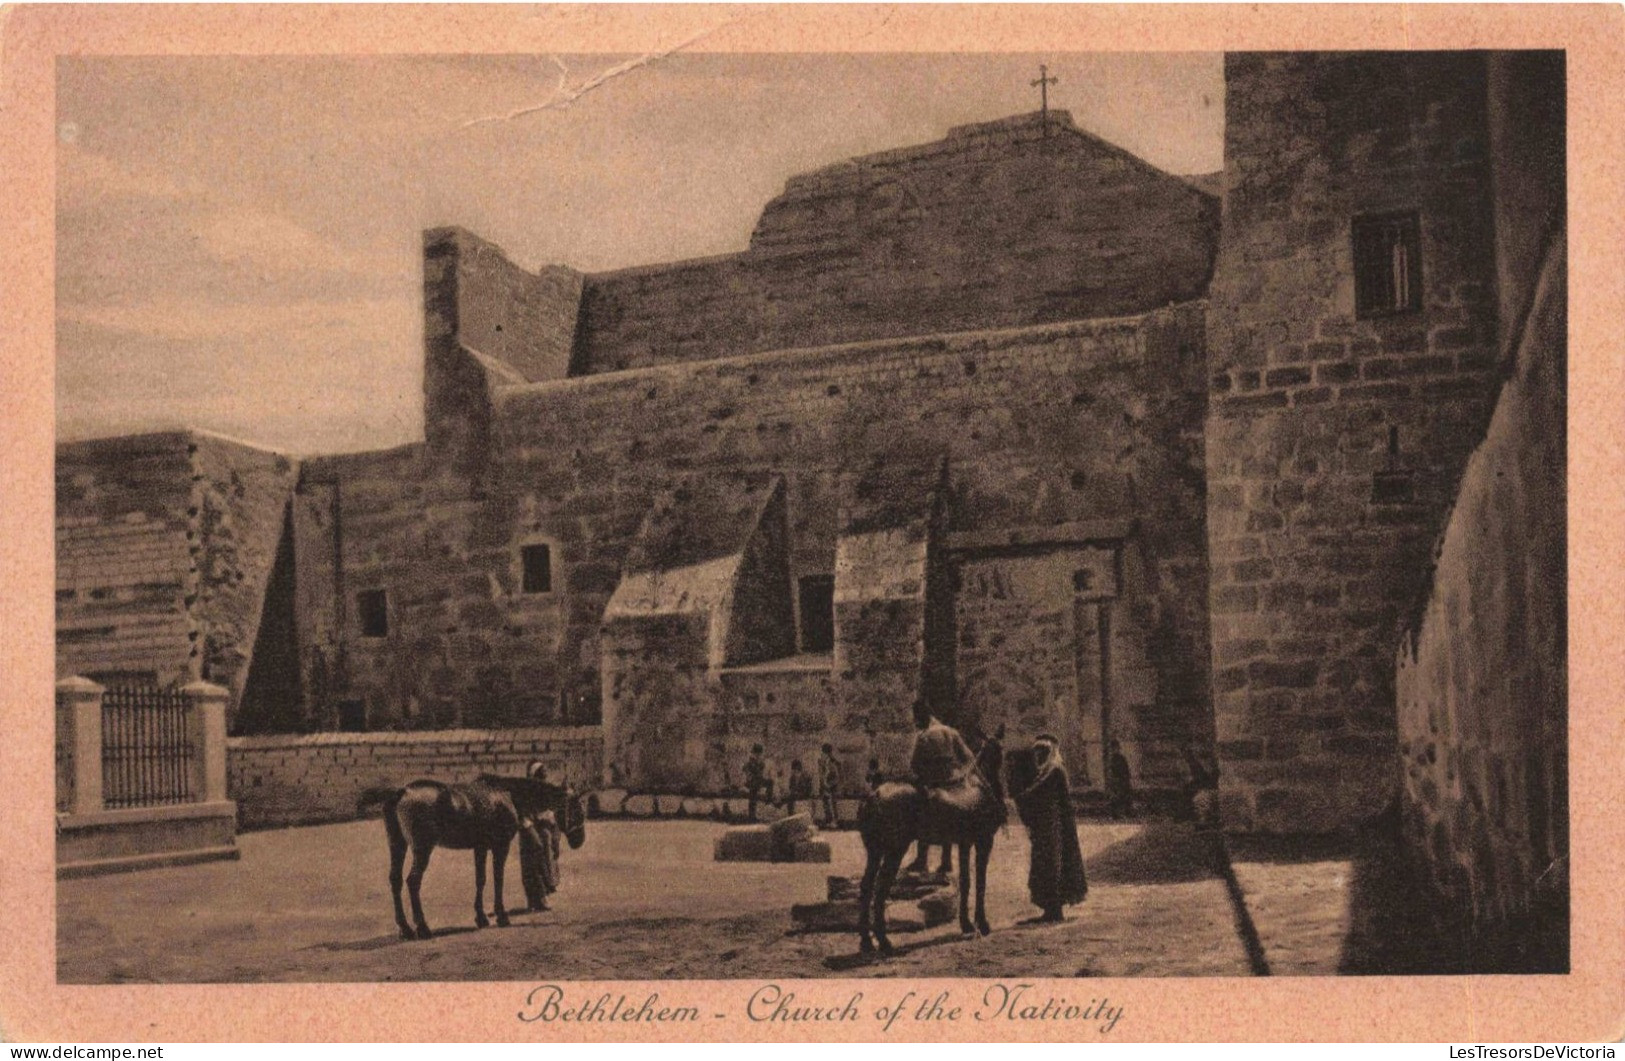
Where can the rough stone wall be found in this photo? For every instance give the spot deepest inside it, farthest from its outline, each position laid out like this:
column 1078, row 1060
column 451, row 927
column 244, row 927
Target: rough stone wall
column 1033, row 656
column 123, row 571
column 1483, row 681
column 1320, row 536
column 1482, row 676
column 240, row 498
column 1041, row 425
column 165, row 544
column 1528, row 129
column 706, row 585
column 464, row 647
column 523, row 319
column 1000, row 224
column 320, row 777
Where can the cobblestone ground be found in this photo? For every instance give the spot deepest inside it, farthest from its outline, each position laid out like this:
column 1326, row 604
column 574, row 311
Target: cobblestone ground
column 645, row 900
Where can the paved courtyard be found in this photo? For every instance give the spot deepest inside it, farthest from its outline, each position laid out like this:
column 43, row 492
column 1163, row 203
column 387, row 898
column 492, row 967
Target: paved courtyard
column 646, row 900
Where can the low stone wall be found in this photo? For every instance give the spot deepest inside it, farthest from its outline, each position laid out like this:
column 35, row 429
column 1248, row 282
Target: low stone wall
column 320, row 777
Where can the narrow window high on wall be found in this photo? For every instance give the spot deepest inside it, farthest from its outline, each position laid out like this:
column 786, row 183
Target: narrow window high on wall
column 372, row 605
column 1387, row 264
column 817, row 595
column 536, row 562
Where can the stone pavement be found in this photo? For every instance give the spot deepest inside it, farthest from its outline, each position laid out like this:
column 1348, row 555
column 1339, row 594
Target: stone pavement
column 646, row 900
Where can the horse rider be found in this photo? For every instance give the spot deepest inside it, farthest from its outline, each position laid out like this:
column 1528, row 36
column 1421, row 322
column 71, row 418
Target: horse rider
column 942, row 765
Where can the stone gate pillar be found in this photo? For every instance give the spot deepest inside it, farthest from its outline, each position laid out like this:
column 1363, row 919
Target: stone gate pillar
column 79, row 735
column 206, row 725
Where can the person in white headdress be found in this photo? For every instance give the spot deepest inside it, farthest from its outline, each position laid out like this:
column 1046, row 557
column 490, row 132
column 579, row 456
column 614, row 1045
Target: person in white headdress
column 1055, row 877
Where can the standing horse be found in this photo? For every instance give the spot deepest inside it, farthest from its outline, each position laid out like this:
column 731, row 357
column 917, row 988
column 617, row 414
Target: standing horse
column 898, row 814
column 483, row 815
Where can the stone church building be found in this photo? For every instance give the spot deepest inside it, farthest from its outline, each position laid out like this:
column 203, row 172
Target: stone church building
column 1267, row 472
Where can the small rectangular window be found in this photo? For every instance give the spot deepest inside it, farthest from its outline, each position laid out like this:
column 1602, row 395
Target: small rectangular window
column 1387, row 264
column 817, row 613
column 353, row 716
column 373, row 607
column 537, row 561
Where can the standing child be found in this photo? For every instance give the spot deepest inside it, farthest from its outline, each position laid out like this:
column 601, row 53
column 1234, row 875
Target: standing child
column 829, row 782
column 757, row 783
column 801, row 785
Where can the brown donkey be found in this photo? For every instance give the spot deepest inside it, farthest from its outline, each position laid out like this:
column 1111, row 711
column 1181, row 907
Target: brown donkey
column 483, row 815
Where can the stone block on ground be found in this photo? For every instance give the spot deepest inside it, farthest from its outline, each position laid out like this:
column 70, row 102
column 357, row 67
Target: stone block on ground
column 639, row 806
column 939, row 908
column 810, row 851
column 918, row 885
column 695, row 807
column 608, row 800
column 748, row 843
column 788, row 831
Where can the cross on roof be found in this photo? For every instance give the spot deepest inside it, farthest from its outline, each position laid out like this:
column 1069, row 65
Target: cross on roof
column 1042, row 85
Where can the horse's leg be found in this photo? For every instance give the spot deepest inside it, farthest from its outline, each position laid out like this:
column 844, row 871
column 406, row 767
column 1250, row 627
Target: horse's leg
column 414, row 884
column 499, row 862
column 397, row 859
column 984, row 850
column 866, row 895
column 888, row 876
column 480, row 920
column 964, row 887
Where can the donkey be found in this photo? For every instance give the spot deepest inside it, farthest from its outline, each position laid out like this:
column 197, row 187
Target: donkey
column 483, row 815
column 898, row 814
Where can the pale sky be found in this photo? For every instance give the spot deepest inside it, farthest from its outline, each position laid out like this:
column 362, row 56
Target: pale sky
column 239, row 239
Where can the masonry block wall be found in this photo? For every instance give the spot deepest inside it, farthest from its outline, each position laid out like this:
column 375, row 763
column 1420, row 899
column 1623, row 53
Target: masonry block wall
column 1037, row 426
column 1483, row 681
column 165, row 547
column 240, row 496
column 1482, row 675
column 123, row 568
column 321, row 777
column 1335, row 444
column 1000, row 224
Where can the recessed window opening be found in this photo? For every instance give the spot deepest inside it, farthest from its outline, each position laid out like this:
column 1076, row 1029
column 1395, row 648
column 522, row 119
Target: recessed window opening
column 1387, row 264
column 352, row 716
column 372, row 605
column 536, row 562
column 817, row 599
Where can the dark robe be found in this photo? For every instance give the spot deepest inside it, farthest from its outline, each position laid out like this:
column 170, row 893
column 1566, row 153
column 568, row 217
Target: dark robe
column 539, row 860
column 1055, row 876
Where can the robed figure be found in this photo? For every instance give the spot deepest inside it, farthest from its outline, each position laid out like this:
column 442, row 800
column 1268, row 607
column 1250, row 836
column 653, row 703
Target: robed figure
column 539, row 859
column 1043, row 795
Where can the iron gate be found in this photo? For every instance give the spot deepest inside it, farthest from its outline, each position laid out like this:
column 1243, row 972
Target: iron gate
column 146, row 748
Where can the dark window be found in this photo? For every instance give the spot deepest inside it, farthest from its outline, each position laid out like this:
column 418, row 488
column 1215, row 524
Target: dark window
column 818, row 613
column 1387, row 264
column 373, row 607
column 353, row 716
column 537, row 561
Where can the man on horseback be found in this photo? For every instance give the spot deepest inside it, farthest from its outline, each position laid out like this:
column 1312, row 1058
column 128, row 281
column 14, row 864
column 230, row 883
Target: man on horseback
column 941, row 763
column 953, row 800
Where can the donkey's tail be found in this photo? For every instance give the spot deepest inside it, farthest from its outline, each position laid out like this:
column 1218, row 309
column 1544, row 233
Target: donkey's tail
column 378, row 795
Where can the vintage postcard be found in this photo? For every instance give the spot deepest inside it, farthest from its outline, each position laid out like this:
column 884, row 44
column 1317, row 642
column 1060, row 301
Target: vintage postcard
column 800, row 523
